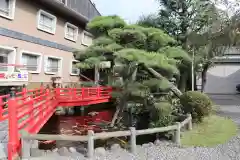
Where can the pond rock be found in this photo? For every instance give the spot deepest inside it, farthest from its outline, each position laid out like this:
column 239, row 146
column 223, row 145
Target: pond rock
column 51, row 153
column 75, row 154
column 157, row 142
column 63, row 151
column 150, row 144
column 35, row 152
column 82, row 150
column 70, row 111
column 100, row 151
column 115, row 147
column 72, row 150
column 145, row 145
column 60, row 111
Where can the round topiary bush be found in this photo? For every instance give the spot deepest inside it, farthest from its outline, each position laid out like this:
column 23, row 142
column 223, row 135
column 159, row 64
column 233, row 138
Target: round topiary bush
column 161, row 115
column 196, row 103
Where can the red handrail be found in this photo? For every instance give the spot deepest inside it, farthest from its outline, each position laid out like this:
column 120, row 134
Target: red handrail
column 31, row 109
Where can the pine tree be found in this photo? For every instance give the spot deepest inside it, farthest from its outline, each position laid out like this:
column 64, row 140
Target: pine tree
column 144, row 59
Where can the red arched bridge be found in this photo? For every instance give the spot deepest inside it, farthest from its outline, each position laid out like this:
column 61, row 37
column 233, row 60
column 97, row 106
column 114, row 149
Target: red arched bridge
column 29, row 110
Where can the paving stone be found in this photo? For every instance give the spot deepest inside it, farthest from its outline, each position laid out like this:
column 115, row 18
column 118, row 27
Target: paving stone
column 3, row 135
column 3, row 150
column 35, row 152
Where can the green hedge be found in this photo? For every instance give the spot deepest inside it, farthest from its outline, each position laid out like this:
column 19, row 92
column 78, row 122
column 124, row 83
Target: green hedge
column 196, row 103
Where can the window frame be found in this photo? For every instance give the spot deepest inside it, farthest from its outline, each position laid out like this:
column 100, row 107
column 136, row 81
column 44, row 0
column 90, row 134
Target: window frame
column 42, row 12
column 12, row 8
column 59, row 73
column 13, row 54
column 67, row 24
column 71, row 67
column 39, row 65
column 83, row 34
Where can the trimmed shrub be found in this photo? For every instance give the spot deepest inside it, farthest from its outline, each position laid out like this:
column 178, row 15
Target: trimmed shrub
column 162, row 115
column 196, row 103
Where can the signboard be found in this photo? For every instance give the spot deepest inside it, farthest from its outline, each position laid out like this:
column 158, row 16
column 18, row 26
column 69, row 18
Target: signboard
column 105, row 64
column 13, row 76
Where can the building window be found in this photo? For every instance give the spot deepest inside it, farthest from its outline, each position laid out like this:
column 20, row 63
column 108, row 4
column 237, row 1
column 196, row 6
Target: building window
column 74, row 71
column 71, row 32
column 3, row 59
column 46, row 22
column 53, row 65
column 7, row 56
column 7, row 8
column 32, row 61
column 87, row 38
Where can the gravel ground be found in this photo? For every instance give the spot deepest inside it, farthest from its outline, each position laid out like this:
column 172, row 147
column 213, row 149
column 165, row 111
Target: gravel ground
column 161, row 150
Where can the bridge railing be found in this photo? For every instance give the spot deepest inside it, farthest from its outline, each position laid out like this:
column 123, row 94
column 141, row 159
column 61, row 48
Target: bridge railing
column 29, row 110
column 82, row 93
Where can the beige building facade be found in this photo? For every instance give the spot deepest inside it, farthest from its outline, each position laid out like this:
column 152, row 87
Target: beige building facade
column 42, row 35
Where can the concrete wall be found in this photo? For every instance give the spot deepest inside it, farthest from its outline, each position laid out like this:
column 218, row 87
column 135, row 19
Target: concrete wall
column 222, row 79
column 221, row 83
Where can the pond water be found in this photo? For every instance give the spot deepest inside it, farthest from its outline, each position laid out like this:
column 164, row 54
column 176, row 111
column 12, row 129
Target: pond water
column 72, row 125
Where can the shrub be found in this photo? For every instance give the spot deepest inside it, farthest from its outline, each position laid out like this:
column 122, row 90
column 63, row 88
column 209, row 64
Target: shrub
column 162, row 115
column 196, row 103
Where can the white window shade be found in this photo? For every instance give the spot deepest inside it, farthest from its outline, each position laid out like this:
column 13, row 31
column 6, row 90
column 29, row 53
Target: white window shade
column 4, row 6
column 71, row 32
column 87, row 39
column 46, row 22
column 30, row 62
column 7, row 8
column 53, row 65
column 4, row 59
column 74, row 71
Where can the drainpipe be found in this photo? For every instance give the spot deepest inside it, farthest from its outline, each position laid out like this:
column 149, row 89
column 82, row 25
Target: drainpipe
column 96, row 75
column 193, row 58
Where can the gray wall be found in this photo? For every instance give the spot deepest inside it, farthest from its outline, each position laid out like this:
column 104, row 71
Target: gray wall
column 221, row 83
column 85, row 7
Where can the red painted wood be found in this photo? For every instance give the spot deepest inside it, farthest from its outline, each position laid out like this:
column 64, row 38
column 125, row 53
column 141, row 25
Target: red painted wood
column 79, row 125
column 40, row 104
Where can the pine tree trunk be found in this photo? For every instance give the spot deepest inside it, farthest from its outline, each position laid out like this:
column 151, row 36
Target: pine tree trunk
column 174, row 89
column 183, row 81
column 123, row 101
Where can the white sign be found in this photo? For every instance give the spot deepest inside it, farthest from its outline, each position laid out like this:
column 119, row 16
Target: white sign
column 13, row 76
column 105, row 64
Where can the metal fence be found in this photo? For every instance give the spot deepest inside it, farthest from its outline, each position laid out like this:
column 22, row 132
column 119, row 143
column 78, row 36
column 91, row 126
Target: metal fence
column 132, row 132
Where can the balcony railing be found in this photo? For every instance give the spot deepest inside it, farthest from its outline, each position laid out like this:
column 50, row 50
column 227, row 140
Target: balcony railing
column 84, row 7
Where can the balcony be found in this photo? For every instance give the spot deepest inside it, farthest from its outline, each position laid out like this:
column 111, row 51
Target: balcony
column 83, row 10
